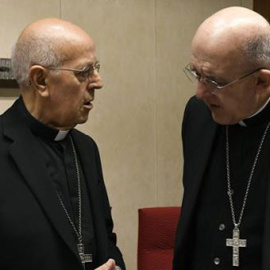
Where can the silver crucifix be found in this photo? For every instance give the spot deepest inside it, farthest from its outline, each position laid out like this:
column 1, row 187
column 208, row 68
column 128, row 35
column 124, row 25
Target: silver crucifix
column 85, row 258
column 236, row 243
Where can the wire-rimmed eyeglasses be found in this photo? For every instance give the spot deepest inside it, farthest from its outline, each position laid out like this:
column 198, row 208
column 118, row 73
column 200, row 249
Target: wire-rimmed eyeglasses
column 81, row 74
column 195, row 77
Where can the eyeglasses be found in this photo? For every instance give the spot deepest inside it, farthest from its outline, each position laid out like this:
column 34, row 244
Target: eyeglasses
column 81, row 74
column 194, row 76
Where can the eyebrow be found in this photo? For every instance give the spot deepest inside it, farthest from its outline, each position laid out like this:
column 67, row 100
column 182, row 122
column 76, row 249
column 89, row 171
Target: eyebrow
column 209, row 77
column 87, row 65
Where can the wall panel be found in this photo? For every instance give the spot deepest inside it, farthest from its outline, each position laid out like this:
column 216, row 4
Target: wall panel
column 15, row 15
column 123, row 121
column 176, row 23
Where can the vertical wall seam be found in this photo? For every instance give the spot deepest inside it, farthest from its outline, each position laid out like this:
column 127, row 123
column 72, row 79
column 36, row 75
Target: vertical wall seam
column 156, row 105
column 60, row 9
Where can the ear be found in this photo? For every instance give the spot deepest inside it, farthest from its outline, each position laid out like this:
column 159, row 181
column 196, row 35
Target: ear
column 263, row 81
column 38, row 79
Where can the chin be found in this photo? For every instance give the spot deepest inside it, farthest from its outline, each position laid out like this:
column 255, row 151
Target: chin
column 224, row 121
column 82, row 120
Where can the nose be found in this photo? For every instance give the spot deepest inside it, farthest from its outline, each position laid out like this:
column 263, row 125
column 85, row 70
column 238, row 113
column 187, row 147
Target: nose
column 203, row 90
column 95, row 81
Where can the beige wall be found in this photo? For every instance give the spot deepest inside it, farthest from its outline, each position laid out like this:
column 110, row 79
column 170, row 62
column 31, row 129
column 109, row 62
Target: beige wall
column 143, row 46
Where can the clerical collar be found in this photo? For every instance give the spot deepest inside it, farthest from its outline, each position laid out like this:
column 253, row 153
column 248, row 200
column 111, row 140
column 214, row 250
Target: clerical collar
column 259, row 117
column 39, row 128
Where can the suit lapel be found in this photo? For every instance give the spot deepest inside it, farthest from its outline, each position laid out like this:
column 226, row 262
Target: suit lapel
column 88, row 158
column 198, row 140
column 266, row 235
column 200, row 152
column 25, row 152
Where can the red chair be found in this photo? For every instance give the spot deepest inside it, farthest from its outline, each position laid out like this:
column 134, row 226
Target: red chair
column 157, row 228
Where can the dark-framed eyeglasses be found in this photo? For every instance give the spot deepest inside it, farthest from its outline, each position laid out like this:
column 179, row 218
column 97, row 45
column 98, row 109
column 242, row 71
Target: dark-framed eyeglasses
column 81, row 74
column 195, row 77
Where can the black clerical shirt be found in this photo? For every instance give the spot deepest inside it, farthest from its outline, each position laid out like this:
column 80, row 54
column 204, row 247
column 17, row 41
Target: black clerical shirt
column 59, row 159
column 212, row 223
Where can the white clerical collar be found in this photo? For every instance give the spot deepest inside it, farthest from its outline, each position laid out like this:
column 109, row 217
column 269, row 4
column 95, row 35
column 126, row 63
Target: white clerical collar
column 61, row 135
column 243, row 124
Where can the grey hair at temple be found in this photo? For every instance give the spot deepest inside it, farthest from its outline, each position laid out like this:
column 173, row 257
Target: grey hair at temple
column 29, row 51
column 257, row 49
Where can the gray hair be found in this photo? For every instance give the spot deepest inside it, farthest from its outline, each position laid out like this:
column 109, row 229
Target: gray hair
column 257, row 50
column 32, row 50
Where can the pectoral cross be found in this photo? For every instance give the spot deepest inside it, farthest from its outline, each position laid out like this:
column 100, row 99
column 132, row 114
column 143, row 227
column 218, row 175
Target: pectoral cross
column 236, row 243
column 85, row 258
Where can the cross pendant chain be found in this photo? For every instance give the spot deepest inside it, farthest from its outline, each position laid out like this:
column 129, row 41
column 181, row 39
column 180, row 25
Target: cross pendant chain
column 236, row 243
column 85, row 258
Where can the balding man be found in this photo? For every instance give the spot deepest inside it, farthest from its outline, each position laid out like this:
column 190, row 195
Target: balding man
column 225, row 221
column 54, row 209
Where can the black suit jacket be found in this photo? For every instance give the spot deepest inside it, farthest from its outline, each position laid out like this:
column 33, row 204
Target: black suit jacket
column 198, row 134
column 34, row 231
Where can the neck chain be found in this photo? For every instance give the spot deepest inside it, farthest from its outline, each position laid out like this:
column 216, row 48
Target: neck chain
column 85, row 258
column 236, row 242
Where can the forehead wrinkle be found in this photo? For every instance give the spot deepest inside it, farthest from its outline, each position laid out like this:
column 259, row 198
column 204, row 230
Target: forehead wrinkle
column 218, row 49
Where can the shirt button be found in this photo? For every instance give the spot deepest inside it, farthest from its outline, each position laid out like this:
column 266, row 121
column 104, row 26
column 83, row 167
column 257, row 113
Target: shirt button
column 216, row 261
column 221, row 227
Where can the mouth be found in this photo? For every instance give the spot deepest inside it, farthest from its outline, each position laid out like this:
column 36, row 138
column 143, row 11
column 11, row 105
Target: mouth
column 214, row 106
column 88, row 104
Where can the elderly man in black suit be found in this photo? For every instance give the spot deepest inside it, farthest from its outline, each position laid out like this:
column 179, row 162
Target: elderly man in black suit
column 225, row 221
column 54, row 209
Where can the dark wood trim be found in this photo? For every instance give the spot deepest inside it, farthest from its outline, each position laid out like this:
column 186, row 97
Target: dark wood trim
column 262, row 7
column 8, row 84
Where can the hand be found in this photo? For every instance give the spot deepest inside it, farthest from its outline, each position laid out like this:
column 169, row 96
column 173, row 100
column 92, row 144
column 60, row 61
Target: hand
column 109, row 265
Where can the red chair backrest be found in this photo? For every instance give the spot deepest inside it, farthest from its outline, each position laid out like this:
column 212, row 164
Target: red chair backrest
column 157, row 228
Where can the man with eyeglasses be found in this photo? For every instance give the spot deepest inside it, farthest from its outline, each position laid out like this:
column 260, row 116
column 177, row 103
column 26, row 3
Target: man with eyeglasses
column 225, row 219
column 54, row 209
